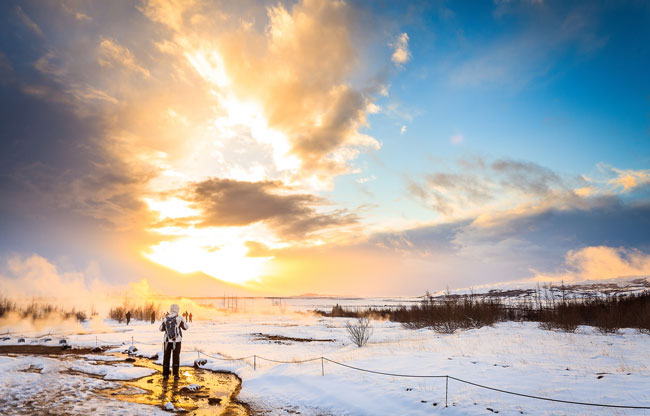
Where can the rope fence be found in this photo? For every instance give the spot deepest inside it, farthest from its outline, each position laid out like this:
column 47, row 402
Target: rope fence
column 383, row 373
column 446, row 377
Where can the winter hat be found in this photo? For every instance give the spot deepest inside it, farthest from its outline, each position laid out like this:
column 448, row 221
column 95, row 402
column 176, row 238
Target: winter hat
column 174, row 309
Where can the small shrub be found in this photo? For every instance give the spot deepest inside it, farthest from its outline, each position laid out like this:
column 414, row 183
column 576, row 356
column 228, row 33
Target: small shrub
column 118, row 313
column 141, row 313
column 360, row 331
column 39, row 310
column 6, row 306
column 81, row 316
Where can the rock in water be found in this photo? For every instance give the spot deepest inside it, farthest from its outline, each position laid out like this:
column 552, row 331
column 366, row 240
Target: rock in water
column 169, row 406
column 191, row 387
column 132, row 349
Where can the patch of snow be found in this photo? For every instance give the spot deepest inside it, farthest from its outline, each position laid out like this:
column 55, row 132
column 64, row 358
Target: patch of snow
column 108, row 358
column 120, row 371
column 192, row 387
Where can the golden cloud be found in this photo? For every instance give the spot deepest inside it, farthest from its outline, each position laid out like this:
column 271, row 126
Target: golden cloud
column 600, row 263
column 112, row 53
column 401, row 54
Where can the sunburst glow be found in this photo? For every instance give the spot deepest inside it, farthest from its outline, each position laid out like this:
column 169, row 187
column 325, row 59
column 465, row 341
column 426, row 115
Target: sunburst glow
column 217, row 252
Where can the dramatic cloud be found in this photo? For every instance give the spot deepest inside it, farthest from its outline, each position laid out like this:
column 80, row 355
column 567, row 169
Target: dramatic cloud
column 226, row 202
column 502, row 184
column 125, row 113
column 599, row 263
column 295, row 78
column 208, row 136
column 607, row 239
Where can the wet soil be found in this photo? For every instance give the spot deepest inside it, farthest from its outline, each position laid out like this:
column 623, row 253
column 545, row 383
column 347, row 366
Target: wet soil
column 280, row 338
column 41, row 350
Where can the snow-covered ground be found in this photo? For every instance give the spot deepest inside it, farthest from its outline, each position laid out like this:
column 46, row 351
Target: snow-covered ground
column 585, row 366
column 41, row 385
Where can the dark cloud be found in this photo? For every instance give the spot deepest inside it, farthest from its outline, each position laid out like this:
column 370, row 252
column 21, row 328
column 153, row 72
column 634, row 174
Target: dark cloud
column 53, row 162
column 423, row 240
column 515, row 246
column 342, row 118
column 227, row 202
column 606, row 221
column 449, row 192
column 56, row 155
column 527, row 177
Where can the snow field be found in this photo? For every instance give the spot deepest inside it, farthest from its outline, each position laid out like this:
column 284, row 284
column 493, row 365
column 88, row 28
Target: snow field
column 520, row 357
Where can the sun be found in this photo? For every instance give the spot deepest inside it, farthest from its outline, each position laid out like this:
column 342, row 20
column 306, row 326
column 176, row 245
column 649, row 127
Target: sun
column 228, row 262
column 220, row 252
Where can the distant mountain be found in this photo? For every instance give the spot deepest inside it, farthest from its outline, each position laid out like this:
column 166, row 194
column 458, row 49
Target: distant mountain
column 315, row 295
column 588, row 288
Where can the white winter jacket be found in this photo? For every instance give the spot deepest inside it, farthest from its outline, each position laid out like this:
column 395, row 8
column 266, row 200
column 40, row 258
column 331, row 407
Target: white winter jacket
column 181, row 324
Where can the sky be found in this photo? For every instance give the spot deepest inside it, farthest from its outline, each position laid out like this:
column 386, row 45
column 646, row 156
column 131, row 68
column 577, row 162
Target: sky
column 201, row 147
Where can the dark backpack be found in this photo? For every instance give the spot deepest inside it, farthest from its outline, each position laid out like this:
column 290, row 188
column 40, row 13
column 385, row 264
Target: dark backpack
column 171, row 328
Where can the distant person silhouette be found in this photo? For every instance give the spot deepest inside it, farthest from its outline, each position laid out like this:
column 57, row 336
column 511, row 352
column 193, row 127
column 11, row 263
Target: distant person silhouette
column 173, row 326
column 190, row 316
column 128, row 317
column 153, row 317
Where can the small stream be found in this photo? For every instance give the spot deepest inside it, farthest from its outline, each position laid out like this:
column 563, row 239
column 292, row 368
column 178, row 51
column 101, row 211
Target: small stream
column 195, row 392
column 216, row 396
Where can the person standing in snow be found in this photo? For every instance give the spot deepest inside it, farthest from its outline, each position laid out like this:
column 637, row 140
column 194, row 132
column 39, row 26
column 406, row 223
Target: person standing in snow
column 190, row 316
column 128, row 317
column 153, row 317
column 173, row 326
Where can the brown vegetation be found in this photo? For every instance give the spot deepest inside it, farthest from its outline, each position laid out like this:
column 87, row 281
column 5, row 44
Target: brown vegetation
column 139, row 312
column 449, row 313
column 360, row 331
column 41, row 350
column 39, row 310
column 281, row 339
